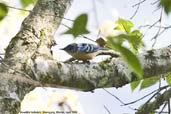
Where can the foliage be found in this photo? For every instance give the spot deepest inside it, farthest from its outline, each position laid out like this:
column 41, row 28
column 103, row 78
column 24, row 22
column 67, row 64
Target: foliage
column 135, row 41
column 149, row 82
column 79, row 26
column 26, row 3
column 124, row 25
column 3, row 11
column 145, row 83
column 166, row 4
column 135, row 84
column 134, row 37
column 4, row 7
column 168, row 78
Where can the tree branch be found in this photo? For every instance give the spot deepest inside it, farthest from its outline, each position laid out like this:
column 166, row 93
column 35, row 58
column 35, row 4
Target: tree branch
column 113, row 73
column 159, row 100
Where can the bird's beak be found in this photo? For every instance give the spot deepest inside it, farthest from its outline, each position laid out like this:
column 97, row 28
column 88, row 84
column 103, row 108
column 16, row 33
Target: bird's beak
column 62, row 49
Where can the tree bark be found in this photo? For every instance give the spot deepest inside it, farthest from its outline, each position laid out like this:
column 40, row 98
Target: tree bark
column 33, row 41
column 13, row 87
column 113, row 73
column 35, row 37
column 28, row 56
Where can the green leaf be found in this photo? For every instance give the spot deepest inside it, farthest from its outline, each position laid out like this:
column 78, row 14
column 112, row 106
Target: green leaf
column 26, row 3
column 134, row 84
column 124, row 25
column 134, row 39
column 79, row 26
column 3, row 11
column 166, row 4
column 132, row 60
column 112, row 43
column 168, row 78
column 149, row 82
column 128, row 56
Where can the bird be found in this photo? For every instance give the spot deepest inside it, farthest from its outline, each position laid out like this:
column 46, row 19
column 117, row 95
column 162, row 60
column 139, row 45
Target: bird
column 82, row 51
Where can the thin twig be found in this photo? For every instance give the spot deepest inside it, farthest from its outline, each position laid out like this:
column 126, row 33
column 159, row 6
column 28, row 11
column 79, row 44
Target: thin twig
column 164, row 87
column 158, row 32
column 80, row 35
column 139, row 98
column 107, row 110
column 135, row 11
column 95, row 13
column 88, row 38
column 169, row 107
column 160, row 83
column 153, row 24
column 19, row 8
column 156, row 26
column 163, row 108
column 158, row 8
column 61, row 17
column 109, row 52
column 138, row 3
column 155, row 2
column 2, row 53
column 44, row 14
column 114, row 96
column 160, row 27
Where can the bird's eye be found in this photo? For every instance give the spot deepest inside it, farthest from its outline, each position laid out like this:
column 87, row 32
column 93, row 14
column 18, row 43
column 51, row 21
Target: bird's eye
column 84, row 44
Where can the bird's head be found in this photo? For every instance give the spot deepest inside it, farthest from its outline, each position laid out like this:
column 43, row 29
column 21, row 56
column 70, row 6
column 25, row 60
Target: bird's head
column 71, row 48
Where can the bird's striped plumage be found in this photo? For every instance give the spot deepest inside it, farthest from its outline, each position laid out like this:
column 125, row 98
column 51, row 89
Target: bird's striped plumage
column 82, row 51
column 87, row 48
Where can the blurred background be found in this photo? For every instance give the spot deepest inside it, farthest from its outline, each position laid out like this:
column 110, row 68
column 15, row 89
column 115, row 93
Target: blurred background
column 101, row 16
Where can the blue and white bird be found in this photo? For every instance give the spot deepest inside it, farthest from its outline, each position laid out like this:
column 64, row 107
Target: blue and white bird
column 82, row 51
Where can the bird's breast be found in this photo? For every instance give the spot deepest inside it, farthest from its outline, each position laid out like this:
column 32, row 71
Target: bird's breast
column 84, row 56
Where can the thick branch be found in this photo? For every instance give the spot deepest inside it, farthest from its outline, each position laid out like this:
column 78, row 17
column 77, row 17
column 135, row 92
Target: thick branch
column 114, row 73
